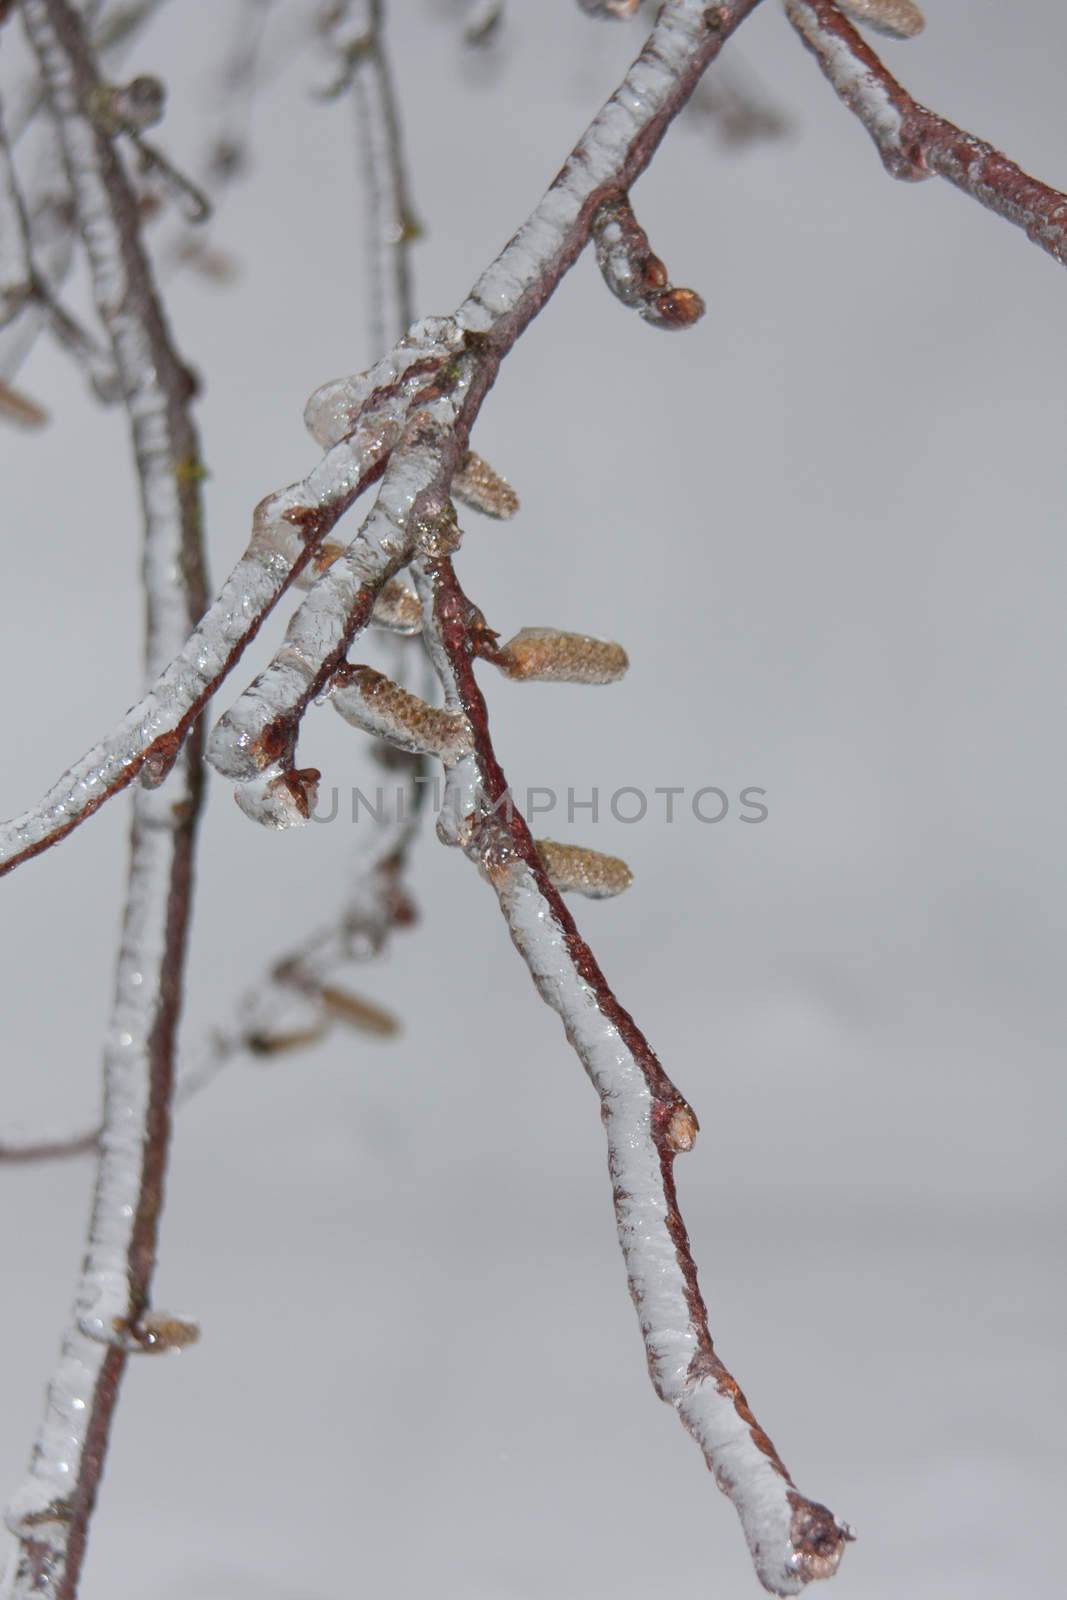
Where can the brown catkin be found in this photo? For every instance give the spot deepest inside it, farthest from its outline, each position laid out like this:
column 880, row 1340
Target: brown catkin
column 371, row 701
column 357, row 1012
column 575, row 870
column 545, row 655
column 478, row 486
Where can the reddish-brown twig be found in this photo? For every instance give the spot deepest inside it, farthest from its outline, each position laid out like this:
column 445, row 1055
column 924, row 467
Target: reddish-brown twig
column 112, row 1315
column 916, row 143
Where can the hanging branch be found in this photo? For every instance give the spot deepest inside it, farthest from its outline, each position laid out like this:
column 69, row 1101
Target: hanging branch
column 916, row 143
column 290, row 526
column 112, row 1316
column 360, row 421
column 792, row 1539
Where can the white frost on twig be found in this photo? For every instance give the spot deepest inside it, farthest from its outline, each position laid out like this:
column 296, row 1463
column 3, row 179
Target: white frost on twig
column 858, row 86
column 714, row 1412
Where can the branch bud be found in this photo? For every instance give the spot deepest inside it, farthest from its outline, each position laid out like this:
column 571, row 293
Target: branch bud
column 635, row 275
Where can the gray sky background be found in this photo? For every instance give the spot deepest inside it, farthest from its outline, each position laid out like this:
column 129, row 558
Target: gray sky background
column 828, row 527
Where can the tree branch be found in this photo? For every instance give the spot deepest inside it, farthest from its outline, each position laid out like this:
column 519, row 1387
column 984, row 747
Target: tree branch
column 648, row 1122
column 360, row 421
column 915, row 143
column 112, row 1316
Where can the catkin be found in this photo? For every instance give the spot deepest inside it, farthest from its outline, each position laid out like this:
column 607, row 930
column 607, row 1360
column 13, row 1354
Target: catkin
column 575, row 870
column 899, row 18
column 373, row 702
column 545, row 655
column 478, row 486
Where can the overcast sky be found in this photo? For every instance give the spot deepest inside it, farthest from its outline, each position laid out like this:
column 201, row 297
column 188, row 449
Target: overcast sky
column 828, row 527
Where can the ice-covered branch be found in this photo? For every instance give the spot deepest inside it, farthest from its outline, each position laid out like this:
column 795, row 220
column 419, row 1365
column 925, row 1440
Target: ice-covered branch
column 450, row 363
column 255, row 740
column 648, row 1122
column 916, row 143
column 112, row 1316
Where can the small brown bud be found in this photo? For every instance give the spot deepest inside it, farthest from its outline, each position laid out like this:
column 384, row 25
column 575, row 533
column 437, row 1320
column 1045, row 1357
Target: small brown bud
column 545, row 655
column 159, row 759
column 573, row 869
column 682, row 1129
column 634, row 274
column 674, row 308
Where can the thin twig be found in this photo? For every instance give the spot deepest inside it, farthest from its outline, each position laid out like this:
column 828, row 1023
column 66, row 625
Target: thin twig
column 648, row 1122
column 112, row 1315
column 792, row 1539
column 916, row 143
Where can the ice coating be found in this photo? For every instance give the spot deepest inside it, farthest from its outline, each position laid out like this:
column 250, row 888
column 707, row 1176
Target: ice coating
column 853, row 80
column 373, row 702
column 289, row 533
column 338, row 607
column 50, row 1511
column 707, row 1401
